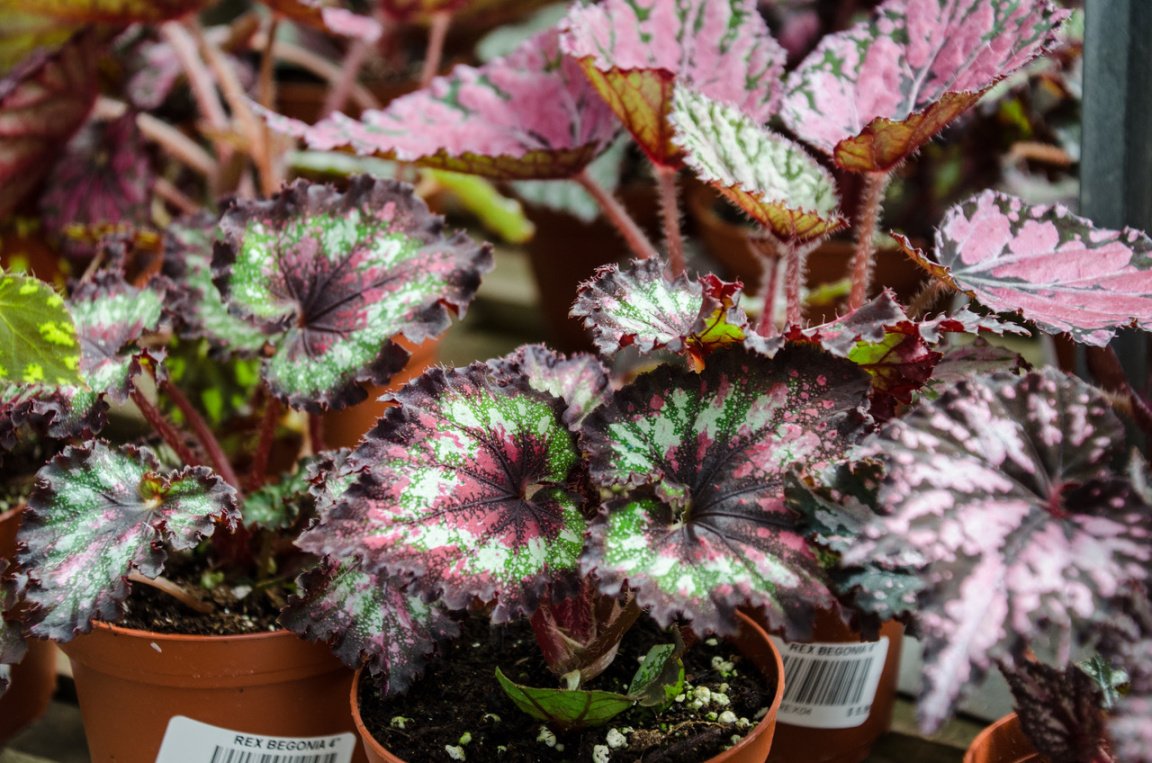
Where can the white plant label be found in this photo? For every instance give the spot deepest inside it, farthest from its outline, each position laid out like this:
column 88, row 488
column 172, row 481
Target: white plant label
column 189, row 741
column 830, row 686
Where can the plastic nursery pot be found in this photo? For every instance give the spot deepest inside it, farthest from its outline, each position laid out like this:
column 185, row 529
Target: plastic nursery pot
column 168, row 698
column 750, row 640
column 1003, row 742
column 344, row 428
column 840, row 693
column 34, row 679
column 727, row 243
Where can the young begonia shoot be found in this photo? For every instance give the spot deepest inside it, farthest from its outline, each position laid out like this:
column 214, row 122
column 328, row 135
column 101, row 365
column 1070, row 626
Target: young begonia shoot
column 1002, row 497
column 635, row 51
column 700, row 526
column 638, row 306
column 772, row 179
column 99, row 513
column 38, row 343
column 43, row 100
column 1054, row 268
column 528, row 115
column 872, row 95
column 331, row 277
column 471, row 485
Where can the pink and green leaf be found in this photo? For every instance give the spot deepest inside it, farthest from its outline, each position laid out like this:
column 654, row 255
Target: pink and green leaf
column 638, row 306
column 332, row 277
column 38, row 342
column 1050, row 266
column 581, row 380
column 1002, row 496
column 702, row 527
column 471, row 485
column 43, row 100
column 103, row 182
column 528, row 115
column 635, row 51
column 772, row 179
column 873, row 94
column 368, row 620
column 99, row 513
column 111, row 317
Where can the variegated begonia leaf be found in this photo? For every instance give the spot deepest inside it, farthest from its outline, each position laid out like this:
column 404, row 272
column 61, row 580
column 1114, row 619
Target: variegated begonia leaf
column 979, row 357
column 197, row 306
column 12, row 644
column 1001, row 496
column 875, row 93
column 102, row 183
column 332, row 277
column 638, row 305
column 111, row 315
column 835, row 504
column 368, row 619
column 581, row 381
column 635, row 51
column 43, row 100
column 1051, row 266
column 38, row 343
column 772, row 179
column 99, row 513
column 701, row 526
column 1129, row 645
column 1129, row 729
column 528, row 115
column 1060, row 711
column 471, row 485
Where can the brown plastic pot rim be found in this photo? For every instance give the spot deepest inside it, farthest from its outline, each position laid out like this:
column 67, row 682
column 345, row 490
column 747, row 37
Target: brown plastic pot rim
column 749, row 630
column 225, row 660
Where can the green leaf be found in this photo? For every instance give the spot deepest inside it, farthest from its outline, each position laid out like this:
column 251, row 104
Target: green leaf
column 566, row 708
column 37, row 336
column 660, row 676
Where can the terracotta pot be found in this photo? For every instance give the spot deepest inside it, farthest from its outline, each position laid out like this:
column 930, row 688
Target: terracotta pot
column 1003, row 742
column 344, row 428
column 33, row 681
column 143, row 693
column 727, row 243
column 752, row 642
column 842, row 736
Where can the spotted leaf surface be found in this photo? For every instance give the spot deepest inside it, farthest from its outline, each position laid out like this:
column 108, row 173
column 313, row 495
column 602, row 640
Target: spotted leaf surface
column 528, row 115
column 332, row 277
column 43, row 100
column 581, row 380
column 702, row 526
column 111, row 316
column 1049, row 265
column 197, row 305
column 103, row 183
column 1002, row 497
column 873, row 94
column 38, row 343
column 637, row 305
column 470, row 486
column 1060, row 711
column 99, row 513
column 365, row 619
column 634, row 51
column 772, row 179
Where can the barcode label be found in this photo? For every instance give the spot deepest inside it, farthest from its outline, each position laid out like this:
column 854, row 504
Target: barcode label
column 189, row 741
column 830, row 686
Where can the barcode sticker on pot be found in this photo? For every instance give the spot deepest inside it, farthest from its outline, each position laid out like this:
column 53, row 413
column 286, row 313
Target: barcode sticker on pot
column 830, row 686
column 189, row 741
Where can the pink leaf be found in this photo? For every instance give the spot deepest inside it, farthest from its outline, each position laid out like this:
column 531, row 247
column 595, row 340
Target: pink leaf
column 874, row 93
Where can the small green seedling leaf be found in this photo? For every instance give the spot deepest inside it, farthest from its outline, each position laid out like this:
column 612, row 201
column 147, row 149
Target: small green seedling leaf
column 566, row 708
column 38, row 342
column 660, row 676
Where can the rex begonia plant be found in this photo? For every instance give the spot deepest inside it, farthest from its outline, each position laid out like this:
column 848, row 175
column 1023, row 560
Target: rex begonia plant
column 315, row 284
